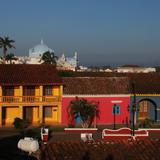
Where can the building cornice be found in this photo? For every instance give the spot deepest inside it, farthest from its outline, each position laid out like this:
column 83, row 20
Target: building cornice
column 149, row 95
column 98, row 95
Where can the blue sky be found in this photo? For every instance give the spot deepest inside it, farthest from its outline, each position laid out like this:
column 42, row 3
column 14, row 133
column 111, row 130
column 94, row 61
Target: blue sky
column 104, row 32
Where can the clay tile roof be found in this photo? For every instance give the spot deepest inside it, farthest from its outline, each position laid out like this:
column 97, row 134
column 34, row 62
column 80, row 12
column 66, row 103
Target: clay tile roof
column 28, row 74
column 96, row 85
column 146, row 83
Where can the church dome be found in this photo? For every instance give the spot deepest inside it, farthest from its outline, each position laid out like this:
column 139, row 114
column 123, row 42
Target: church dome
column 38, row 50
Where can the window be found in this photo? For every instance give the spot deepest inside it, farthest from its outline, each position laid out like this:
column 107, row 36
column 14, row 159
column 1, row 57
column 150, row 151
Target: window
column 116, row 109
column 48, row 91
column 144, row 105
column 8, row 91
column 29, row 91
column 48, row 112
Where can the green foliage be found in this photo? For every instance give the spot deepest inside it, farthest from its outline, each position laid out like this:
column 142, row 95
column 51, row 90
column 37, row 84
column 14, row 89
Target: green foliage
column 5, row 44
column 48, row 58
column 10, row 57
column 157, row 68
column 20, row 123
column 87, row 110
column 65, row 73
column 147, row 123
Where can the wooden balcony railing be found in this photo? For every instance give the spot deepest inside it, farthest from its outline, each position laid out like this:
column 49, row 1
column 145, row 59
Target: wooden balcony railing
column 29, row 99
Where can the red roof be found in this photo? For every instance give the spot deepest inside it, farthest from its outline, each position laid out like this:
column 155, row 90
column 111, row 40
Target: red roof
column 96, row 85
column 145, row 83
column 28, row 74
column 103, row 149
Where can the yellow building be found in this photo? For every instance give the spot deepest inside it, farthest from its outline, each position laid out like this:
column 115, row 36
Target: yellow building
column 31, row 92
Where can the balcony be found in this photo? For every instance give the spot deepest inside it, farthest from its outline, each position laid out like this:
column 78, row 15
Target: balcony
column 29, row 99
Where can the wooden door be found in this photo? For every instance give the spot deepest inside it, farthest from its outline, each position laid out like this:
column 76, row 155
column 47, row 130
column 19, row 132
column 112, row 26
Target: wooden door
column 144, row 110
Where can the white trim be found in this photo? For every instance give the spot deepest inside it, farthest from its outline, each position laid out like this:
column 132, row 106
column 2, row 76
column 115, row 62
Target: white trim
column 148, row 129
column 117, row 135
column 82, row 129
column 124, row 135
column 118, row 129
column 116, row 101
column 158, row 109
column 98, row 95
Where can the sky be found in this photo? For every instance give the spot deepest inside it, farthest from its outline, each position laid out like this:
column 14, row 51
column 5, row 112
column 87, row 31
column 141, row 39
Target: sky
column 103, row 32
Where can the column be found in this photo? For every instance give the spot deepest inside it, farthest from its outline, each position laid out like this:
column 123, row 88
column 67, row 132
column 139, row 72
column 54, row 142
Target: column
column 0, row 115
column 41, row 93
column 59, row 112
column 0, row 93
column 158, row 114
column 21, row 111
column 20, row 93
column 61, row 90
column 40, row 113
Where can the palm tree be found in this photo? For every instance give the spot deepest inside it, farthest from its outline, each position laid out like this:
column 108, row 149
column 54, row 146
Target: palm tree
column 6, row 43
column 10, row 57
column 87, row 110
column 48, row 58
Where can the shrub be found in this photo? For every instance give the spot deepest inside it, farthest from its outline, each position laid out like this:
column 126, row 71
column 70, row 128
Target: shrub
column 20, row 123
column 147, row 123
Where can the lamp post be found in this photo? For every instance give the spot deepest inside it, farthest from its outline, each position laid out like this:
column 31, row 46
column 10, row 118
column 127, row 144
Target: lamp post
column 133, row 108
column 114, row 116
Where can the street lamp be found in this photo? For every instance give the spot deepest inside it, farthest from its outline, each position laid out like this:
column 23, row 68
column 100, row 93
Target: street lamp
column 114, row 116
column 133, row 108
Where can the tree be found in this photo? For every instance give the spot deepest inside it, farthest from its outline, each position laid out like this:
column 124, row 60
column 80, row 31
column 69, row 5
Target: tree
column 10, row 57
column 87, row 110
column 6, row 43
column 48, row 58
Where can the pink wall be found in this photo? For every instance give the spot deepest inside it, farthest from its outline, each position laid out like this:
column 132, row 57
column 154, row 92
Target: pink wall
column 105, row 107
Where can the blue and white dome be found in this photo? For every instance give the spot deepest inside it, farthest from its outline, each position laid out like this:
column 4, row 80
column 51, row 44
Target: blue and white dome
column 38, row 50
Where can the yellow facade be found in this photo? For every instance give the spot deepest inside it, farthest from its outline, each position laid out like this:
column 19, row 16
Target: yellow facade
column 38, row 108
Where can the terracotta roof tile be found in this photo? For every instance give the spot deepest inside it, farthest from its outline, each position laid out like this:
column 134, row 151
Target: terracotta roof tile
column 96, row 85
column 145, row 83
column 104, row 149
column 24, row 74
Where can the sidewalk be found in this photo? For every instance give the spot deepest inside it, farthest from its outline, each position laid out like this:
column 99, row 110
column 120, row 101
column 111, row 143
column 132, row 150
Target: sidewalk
column 7, row 132
column 63, row 136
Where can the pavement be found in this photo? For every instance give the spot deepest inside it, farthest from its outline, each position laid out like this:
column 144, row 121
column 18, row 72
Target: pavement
column 9, row 138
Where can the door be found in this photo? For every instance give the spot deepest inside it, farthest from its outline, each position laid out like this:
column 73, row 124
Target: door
column 50, row 114
column 144, row 107
column 28, row 114
column 3, row 115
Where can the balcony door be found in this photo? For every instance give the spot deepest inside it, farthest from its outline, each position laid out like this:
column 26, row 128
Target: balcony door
column 29, row 91
column 8, row 91
column 48, row 90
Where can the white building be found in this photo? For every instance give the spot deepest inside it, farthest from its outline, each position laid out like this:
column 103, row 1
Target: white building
column 38, row 50
column 68, row 63
column 35, row 53
column 135, row 69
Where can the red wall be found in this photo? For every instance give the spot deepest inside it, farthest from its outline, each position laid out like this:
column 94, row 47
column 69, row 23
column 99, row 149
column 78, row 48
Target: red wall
column 105, row 107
